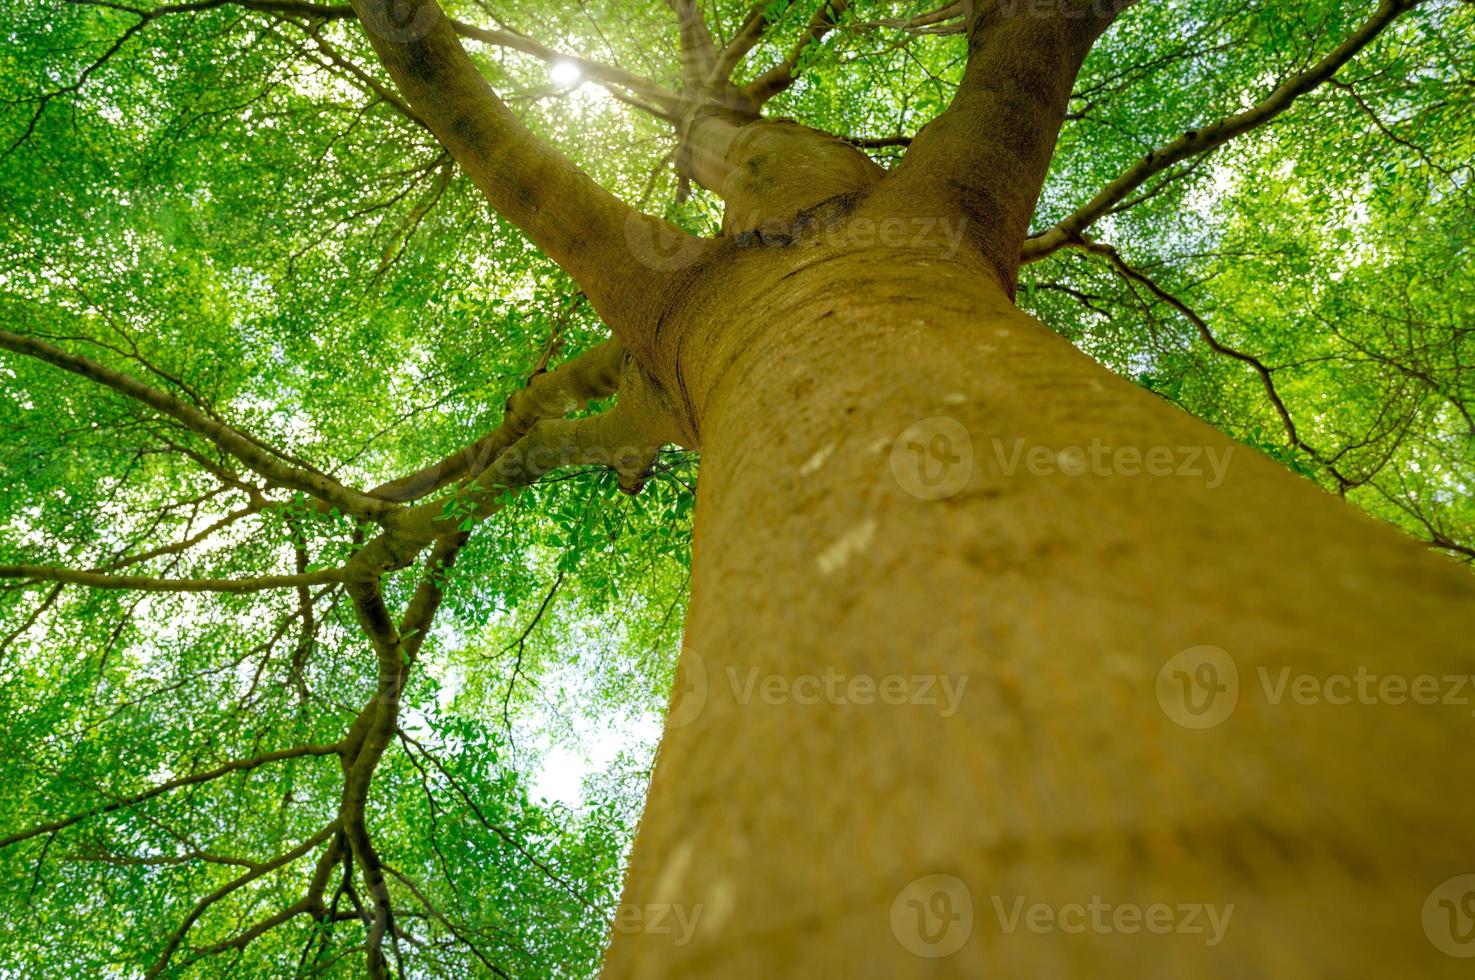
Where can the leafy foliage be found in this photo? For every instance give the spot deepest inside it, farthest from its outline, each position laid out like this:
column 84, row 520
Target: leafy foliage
column 226, row 202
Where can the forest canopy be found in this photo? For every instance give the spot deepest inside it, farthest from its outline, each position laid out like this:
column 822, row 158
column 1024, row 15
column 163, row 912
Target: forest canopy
column 252, row 306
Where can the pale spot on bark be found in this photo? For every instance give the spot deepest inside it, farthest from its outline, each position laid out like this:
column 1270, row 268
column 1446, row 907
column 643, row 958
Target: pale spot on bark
column 1001, row 332
column 721, row 904
column 851, row 543
column 668, row 886
column 954, row 398
column 814, row 462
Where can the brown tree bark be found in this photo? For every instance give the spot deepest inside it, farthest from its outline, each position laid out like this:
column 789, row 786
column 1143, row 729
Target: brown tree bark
column 1051, row 599
column 965, row 604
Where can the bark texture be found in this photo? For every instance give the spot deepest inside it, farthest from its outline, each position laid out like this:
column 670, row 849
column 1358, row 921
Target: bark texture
column 789, row 830
column 897, row 483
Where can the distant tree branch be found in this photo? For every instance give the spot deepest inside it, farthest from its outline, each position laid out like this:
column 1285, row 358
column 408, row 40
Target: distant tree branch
column 410, row 742
column 1215, row 134
column 239, row 765
column 781, row 76
column 440, row 917
column 617, row 80
column 570, row 387
column 281, row 860
column 1265, row 372
column 145, row 583
column 245, row 448
column 608, row 76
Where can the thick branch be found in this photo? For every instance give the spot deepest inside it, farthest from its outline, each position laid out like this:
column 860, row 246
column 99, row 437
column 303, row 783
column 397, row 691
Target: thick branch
column 759, row 19
column 576, row 223
column 769, row 170
column 985, row 157
column 698, row 55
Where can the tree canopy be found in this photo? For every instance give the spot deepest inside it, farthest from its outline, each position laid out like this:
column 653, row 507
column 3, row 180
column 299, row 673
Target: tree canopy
column 255, row 312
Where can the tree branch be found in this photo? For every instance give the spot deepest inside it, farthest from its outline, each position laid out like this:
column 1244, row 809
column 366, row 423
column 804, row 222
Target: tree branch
column 606, row 75
column 748, row 34
column 436, row 914
column 239, row 765
column 568, row 388
column 224, row 890
column 782, row 75
column 245, row 448
column 1003, row 120
column 1265, row 372
column 1215, row 134
column 698, row 55
column 573, row 220
column 145, row 583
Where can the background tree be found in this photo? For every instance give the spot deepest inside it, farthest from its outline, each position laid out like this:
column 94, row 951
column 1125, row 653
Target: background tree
column 285, row 405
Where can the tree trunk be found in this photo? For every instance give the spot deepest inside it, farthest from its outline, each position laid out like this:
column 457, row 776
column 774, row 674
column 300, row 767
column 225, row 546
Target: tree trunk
column 903, row 476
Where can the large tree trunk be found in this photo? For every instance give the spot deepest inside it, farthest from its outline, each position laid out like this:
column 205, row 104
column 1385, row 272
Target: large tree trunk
column 909, row 485
column 790, row 835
